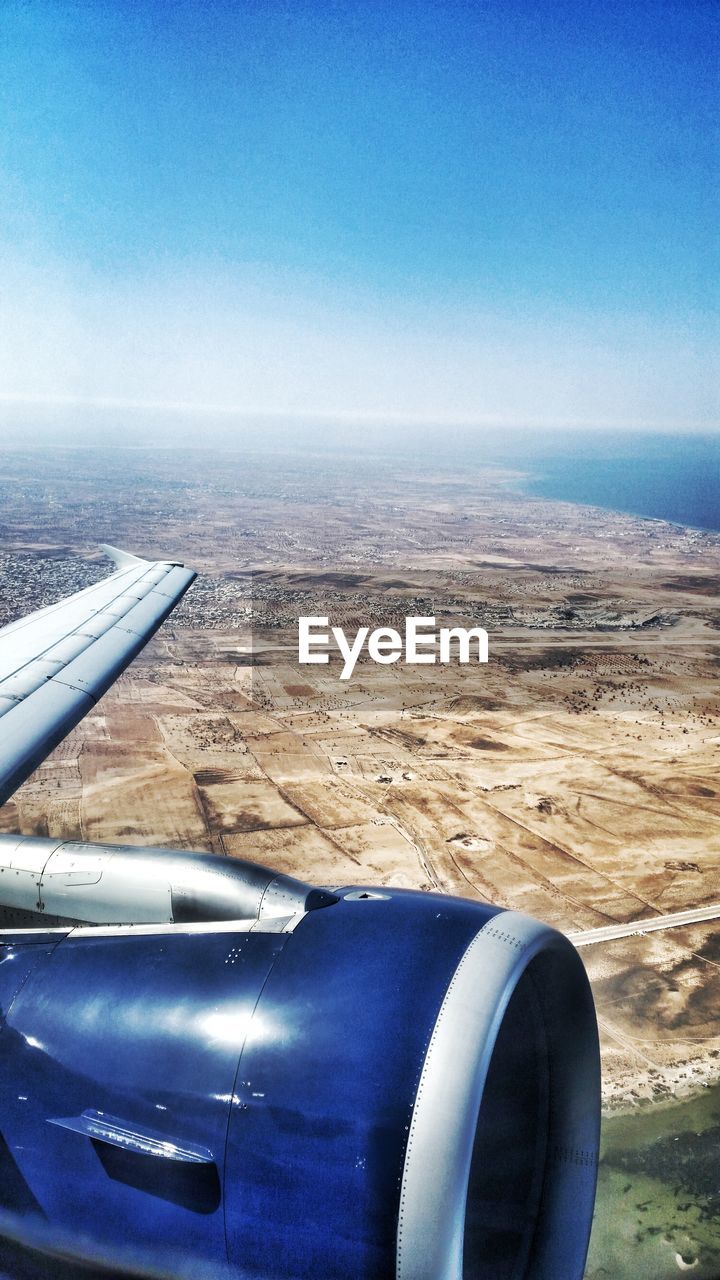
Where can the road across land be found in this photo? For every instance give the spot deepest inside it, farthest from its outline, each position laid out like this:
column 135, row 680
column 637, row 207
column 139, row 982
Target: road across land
column 608, row 932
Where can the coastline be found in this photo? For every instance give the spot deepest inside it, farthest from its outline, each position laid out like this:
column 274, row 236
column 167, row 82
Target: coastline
column 670, row 488
column 630, row 1093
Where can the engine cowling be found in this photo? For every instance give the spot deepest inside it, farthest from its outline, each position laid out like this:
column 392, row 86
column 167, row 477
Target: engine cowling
column 385, row 1083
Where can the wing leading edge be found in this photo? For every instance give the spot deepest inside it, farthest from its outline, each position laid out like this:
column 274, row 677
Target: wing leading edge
column 57, row 663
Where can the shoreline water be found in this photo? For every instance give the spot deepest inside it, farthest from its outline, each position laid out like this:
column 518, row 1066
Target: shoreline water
column 656, row 1212
column 526, row 488
column 677, row 486
column 647, row 1090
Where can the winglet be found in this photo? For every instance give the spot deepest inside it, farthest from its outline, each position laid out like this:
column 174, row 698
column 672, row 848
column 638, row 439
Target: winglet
column 123, row 559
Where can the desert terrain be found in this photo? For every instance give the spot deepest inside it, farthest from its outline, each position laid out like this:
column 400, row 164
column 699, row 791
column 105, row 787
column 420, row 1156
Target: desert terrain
column 573, row 777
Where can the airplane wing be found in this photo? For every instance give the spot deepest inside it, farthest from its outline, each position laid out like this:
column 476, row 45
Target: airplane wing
column 57, row 663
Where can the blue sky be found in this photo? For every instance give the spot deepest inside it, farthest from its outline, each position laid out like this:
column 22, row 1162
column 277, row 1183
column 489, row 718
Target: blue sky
column 502, row 211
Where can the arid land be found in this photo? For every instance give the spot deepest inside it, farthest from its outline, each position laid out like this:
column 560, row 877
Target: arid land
column 574, row 777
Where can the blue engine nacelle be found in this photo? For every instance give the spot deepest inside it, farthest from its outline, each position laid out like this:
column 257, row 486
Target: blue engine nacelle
column 392, row 1084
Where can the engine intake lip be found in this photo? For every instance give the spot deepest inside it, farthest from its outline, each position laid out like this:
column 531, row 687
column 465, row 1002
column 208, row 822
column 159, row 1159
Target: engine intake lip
column 519, row 994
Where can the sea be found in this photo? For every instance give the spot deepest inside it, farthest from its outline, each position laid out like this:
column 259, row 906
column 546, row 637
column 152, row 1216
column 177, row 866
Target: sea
column 657, row 1211
column 663, row 477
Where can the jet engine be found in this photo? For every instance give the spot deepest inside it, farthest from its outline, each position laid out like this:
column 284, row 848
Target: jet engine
column 199, row 1055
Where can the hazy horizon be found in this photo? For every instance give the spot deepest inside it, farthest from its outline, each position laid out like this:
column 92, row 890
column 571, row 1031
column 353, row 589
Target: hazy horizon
column 64, row 424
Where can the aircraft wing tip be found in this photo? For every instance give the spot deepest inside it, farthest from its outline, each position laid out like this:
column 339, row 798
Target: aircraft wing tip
column 123, row 559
